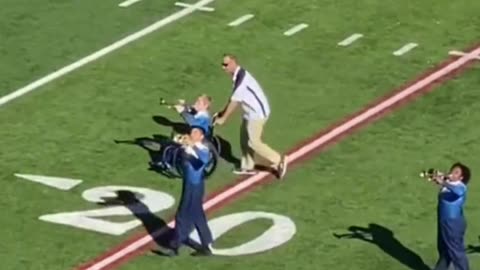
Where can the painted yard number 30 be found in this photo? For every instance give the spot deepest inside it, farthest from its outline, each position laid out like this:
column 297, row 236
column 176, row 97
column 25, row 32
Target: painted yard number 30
column 281, row 231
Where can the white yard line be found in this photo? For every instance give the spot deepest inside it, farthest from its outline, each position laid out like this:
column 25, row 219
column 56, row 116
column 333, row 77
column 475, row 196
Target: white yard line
column 110, row 258
column 55, row 182
column 100, row 53
column 459, row 53
column 241, row 20
column 128, row 3
column 185, row 5
column 406, row 48
column 351, row 39
column 297, row 28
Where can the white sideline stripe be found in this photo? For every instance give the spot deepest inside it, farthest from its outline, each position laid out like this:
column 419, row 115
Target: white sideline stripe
column 304, row 150
column 185, row 5
column 459, row 53
column 241, row 20
column 350, row 39
column 406, row 48
column 128, row 3
column 100, row 53
column 295, row 29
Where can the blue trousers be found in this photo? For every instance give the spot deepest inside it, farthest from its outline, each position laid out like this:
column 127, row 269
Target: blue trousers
column 450, row 244
column 190, row 215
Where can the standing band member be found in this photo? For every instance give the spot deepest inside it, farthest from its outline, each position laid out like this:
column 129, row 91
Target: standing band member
column 451, row 220
column 248, row 93
column 190, row 213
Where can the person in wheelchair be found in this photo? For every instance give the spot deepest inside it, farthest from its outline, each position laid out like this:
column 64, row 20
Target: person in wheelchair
column 198, row 115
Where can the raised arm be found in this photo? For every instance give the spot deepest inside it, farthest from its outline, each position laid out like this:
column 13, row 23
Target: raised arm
column 458, row 189
column 197, row 155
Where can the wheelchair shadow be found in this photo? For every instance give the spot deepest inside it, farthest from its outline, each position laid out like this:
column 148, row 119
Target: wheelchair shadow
column 178, row 127
column 154, row 148
column 155, row 226
column 385, row 239
column 226, row 152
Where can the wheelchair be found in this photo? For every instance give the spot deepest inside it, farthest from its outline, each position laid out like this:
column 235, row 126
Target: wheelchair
column 170, row 156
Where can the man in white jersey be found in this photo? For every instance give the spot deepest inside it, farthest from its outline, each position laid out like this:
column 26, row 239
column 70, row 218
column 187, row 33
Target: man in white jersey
column 248, row 93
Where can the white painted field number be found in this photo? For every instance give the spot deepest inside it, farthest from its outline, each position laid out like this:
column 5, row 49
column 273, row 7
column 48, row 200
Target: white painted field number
column 281, row 231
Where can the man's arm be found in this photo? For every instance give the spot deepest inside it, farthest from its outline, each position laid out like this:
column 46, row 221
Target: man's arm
column 232, row 104
column 230, row 108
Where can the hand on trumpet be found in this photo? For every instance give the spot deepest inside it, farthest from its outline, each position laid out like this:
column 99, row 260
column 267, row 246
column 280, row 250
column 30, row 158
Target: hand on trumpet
column 183, row 139
column 434, row 175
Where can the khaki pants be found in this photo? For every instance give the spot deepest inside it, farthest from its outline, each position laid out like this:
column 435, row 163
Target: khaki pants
column 251, row 143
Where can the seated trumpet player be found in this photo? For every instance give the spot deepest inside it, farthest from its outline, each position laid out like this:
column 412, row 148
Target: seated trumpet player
column 451, row 219
column 197, row 114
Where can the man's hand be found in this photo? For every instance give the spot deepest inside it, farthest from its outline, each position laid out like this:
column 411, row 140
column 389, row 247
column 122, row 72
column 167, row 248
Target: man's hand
column 219, row 121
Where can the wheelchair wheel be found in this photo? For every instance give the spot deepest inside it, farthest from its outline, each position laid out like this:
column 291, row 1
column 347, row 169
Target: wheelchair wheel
column 172, row 160
column 216, row 144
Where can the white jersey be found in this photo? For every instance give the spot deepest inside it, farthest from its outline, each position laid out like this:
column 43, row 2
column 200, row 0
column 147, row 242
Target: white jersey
column 248, row 92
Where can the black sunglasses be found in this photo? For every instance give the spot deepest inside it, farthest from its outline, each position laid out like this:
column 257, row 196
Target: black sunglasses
column 224, row 64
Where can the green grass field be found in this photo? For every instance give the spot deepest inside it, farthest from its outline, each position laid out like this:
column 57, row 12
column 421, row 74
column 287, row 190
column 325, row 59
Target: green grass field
column 66, row 128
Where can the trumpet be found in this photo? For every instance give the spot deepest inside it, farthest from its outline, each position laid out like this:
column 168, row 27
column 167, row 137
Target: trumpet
column 432, row 174
column 183, row 139
column 164, row 102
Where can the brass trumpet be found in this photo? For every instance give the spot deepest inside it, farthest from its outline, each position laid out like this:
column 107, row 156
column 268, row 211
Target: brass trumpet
column 432, row 174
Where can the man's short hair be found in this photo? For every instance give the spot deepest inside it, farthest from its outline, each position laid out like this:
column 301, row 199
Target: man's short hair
column 466, row 173
column 231, row 56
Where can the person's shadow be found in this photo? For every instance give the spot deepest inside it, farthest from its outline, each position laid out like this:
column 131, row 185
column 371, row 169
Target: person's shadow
column 384, row 238
column 473, row 249
column 155, row 226
column 226, row 152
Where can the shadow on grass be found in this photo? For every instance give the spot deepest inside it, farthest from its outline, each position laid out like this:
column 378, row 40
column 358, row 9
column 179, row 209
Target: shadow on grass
column 473, row 249
column 155, row 226
column 385, row 239
column 154, row 146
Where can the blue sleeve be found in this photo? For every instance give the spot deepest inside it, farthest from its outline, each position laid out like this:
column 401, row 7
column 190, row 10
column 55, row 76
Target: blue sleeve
column 458, row 190
column 202, row 157
column 188, row 117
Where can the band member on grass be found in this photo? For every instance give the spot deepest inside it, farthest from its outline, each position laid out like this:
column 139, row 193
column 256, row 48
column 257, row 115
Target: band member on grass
column 190, row 213
column 451, row 219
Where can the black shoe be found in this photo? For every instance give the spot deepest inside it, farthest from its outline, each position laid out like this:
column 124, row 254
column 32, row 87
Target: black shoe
column 166, row 253
column 204, row 252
